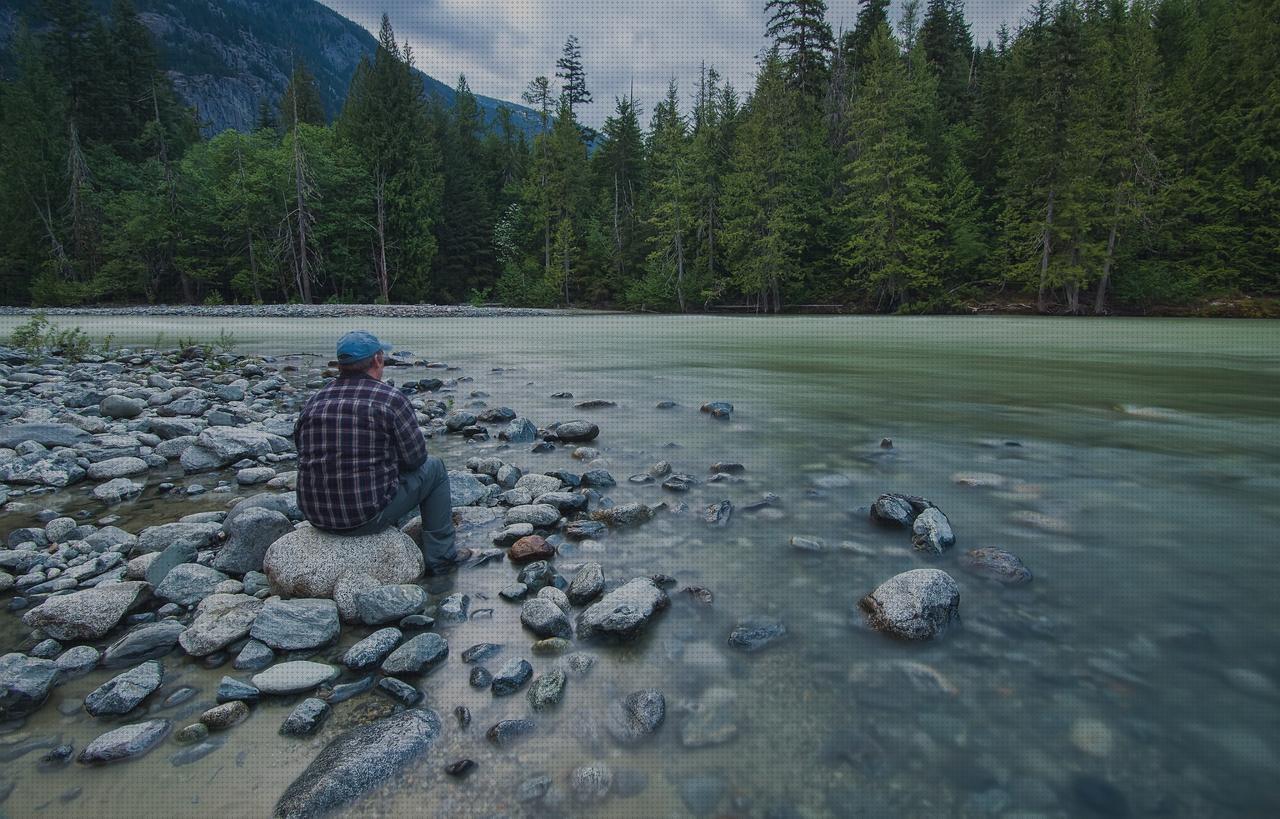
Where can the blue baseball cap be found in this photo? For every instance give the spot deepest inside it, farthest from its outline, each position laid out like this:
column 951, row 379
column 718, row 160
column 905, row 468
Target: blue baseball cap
column 359, row 345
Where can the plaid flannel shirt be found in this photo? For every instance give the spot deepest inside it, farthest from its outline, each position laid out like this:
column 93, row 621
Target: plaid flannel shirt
column 354, row 437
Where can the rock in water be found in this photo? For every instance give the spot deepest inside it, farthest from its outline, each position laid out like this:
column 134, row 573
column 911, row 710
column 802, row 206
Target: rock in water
column 545, row 619
column 915, row 605
column 577, row 432
column 624, row 514
column 295, row 625
column 636, row 716
column 756, row 632
column 892, row 509
column 358, row 761
column 310, row 563
column 418, row 655
column 221, row 619
column 996, row 564
column 149, row 641
column 25, row 683
column 387, row 604
column 371, row 650
column 293, row 677
column 125, row 692
column 587, row 584
column 125, row 743
column 306, row 719
column 622, row 613
column 931, row 532
column 88, row 614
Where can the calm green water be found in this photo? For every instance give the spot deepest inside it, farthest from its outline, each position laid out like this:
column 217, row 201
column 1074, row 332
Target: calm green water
column 1139, row 670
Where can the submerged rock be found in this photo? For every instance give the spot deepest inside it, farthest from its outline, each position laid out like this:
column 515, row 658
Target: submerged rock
column 358, row 761
column 915, row 605
column 508, row 731
column 623, row 613
column 547, row 689
column 636, row 716
column 754, row 633
column 622, row 515
column 127, row 742
column 996, row 564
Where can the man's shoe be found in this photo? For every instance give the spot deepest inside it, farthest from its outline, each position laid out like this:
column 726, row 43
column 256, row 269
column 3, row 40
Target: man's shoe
column 451, row 565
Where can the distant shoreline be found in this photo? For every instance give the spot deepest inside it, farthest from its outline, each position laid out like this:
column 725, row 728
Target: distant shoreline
column 1220, row 308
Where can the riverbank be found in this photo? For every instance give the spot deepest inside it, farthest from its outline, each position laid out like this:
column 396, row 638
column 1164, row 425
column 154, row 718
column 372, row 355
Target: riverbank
column 1114, row 681
column 1216, row 308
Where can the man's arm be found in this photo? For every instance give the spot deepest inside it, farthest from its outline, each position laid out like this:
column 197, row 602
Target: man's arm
column 407, row 437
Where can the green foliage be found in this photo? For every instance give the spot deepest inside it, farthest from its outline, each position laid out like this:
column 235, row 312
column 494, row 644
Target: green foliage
column 1106, row 155
column 38, row 334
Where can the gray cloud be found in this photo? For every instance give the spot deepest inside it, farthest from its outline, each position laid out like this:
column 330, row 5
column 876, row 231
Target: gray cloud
column 642, row 44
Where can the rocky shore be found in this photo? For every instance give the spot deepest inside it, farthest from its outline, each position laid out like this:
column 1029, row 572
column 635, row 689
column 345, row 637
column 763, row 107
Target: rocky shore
column 253, row 589
column 301, row 311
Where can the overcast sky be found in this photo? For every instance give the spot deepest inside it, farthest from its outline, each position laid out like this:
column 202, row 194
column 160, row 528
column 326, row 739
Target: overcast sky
column 501, row 44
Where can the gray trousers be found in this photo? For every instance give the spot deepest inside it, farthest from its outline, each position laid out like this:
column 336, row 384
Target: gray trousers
column 427, row 490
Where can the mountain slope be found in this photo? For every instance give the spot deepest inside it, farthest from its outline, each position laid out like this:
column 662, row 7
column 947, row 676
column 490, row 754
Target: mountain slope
column 225, row 56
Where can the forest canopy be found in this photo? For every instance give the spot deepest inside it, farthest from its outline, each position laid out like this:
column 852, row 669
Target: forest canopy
column 1103, row 155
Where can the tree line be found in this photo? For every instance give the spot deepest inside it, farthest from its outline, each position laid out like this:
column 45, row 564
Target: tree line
column 1106, row 154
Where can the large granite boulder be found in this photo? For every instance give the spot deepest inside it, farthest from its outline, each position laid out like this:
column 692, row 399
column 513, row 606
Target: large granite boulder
column 915, row 605
column 359, row 761
column 89, row 614
column 622, row 613
column 310, row 563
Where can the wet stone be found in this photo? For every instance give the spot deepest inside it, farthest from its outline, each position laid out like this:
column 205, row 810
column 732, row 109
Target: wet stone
column 756, row 632
column 636, row 716
column 372, row 650
column 306, row 718
column 230, row 690
column 345, row 691
column 255, row 656
column 417, row 655
column 480, row 677
column 224, row 716
column 293, row 677
column 996, row 564
column 480, row 651
column 545, row 619
column 511, row 677
column 125, row 692
column 509, row 731
column 460, row 769
column 191, row 734
column 127, row 742
column 400, row 691
column 453, row 609
column 547, row 690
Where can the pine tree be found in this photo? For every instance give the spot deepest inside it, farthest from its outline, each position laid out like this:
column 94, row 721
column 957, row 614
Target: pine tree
column 857, row 41
column 619, row 163
column 800, row 31
column 890, row 209
column 567, row 178
column 465, row 262
column 385, row 120
column 303, row 96
column 670, row 213
column 569, row 68
column 772, row 193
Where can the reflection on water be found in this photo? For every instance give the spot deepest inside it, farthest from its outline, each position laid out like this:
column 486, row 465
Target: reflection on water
column 1134, row 467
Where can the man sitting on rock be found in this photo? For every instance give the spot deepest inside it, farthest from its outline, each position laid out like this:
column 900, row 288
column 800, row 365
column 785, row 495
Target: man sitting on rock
column 363, row 462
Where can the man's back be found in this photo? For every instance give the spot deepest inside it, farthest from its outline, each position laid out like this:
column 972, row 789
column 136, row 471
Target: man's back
column 354, row 437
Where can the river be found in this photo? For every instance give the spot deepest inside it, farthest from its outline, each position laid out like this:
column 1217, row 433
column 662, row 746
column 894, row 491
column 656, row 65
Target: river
column 1133, row 465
